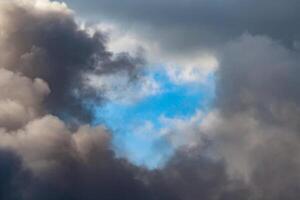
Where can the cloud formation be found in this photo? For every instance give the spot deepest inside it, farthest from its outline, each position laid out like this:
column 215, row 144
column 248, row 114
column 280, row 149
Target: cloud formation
column 41, row 158
column 181, row 32
column 258, row 103
column 41, row 39
column 43, row 53
column 184, row 25
column 246, row 148
column 20, row 99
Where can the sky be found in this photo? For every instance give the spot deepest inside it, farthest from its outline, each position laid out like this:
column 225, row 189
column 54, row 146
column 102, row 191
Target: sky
column 149, row 100
column 137, row 125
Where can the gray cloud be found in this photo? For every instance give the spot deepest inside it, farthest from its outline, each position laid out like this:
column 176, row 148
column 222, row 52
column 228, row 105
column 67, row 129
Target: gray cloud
column 20, row 99
column 47, row 161
column 252, row 146
column 12, row 175
column 255, row 127
column 68, row 166
column 41, row 158
column 259, row 74
column 188, row 25
column 47, row 43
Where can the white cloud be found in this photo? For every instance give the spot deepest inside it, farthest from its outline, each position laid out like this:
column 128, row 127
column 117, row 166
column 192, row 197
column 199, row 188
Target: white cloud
column 193, row 67
column 45, row 5
column 183, row 132
column 119, row 88
column 180, row 132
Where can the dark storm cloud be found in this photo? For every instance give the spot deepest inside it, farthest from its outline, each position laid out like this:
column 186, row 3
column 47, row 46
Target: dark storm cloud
column 47, row 161
column 186, row 25
column 193, row 175
column 252, row 148
column 57, row 165
column 259, row 74
column 43, row 54
column 51, row 46
column 256, row 124
column 64, row 165
column 12, row 175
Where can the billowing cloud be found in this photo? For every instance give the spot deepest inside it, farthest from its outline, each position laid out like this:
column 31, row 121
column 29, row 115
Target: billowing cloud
column 20, row 99
column 60, row 162
column 181, row 32
column 182, row 68
column 41, row 39
column 41, row 156
column 255, row 127
column 184, row 132
column 246, row 147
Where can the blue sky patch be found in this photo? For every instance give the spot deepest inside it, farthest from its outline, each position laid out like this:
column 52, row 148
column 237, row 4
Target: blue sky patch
column 135, row 127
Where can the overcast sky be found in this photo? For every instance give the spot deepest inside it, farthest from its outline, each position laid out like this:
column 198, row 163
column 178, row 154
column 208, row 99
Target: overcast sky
column 149, row 100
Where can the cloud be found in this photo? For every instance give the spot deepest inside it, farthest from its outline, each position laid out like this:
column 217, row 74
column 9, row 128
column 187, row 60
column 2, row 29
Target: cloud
column 186, row 25
column 61, row 163
column 252, row 131
column 176, row 30
column 41, row 39
column 12, row 175
column 182, row 68
column 252, row 147
column 254, row 127
column 263, row 79
column 184, row 132
column 20, row 99
column 193, row 69
column 43, row 157
column 40, row 156
column 119, row 88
